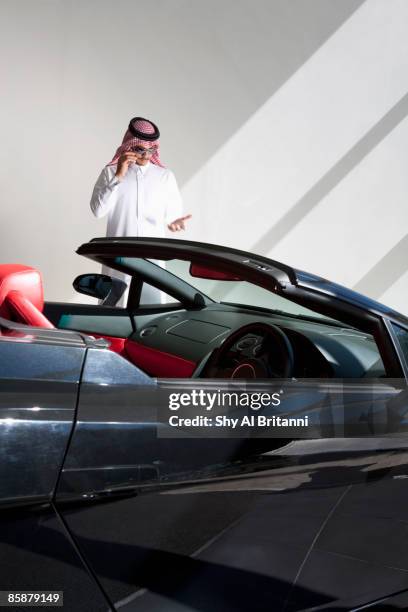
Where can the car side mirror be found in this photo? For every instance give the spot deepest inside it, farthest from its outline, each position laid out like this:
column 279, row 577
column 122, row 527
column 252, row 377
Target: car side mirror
column 100, row 286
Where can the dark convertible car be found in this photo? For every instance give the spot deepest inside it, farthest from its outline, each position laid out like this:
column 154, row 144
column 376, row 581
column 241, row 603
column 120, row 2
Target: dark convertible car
column 106, row 508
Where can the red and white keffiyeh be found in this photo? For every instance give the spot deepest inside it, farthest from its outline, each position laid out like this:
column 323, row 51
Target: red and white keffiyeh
column 129, row 140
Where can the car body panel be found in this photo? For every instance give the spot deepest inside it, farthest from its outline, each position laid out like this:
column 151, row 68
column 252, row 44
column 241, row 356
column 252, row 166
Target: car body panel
column 338, row 292
column 39, row 378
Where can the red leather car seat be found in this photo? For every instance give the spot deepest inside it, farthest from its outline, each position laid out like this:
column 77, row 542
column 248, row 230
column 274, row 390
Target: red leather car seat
column 21, row 295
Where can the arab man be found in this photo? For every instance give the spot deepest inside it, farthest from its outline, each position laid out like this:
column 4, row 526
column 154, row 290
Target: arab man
column 137, row 193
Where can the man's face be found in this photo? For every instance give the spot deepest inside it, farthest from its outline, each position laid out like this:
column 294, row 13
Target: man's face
column 143, row 154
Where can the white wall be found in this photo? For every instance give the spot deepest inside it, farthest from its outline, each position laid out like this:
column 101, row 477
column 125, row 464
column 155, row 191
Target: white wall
column 284, row 122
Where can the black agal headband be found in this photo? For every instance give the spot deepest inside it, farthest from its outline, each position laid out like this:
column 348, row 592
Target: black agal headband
column 142, row 135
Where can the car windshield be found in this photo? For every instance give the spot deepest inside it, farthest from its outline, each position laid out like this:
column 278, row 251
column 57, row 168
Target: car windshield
column 236, row 292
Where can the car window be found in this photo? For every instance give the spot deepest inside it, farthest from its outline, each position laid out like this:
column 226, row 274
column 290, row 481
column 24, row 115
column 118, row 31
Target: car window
column 152, row 296
column 402, row 336
column 238, row 292
column 149, row 296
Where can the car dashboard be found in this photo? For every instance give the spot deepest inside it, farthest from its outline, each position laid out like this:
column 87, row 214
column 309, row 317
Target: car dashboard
column 321, row 348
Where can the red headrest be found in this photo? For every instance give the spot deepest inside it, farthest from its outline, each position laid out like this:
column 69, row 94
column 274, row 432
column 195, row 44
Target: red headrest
column 26, row 280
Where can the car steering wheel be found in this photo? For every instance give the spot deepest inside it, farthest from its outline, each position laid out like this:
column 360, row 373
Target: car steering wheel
column 257, row 350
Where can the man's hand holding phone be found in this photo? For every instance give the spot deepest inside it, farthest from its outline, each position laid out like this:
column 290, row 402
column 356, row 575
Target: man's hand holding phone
column 124, row 161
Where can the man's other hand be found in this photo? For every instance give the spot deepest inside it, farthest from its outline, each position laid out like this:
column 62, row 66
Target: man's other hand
column 178, row 224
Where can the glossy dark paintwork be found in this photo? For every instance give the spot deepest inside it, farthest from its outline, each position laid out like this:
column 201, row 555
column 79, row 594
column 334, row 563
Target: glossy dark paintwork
column 115, row 449
column 40, row 373
column 313, row 524
column 338, row 292
column 36, row 416
column 113, row 446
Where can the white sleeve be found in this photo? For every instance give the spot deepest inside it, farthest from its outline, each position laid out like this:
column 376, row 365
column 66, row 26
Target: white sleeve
column 174, row 203
column 103, row 195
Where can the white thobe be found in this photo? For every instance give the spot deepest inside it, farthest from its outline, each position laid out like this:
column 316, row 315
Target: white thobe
column 141, row 204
